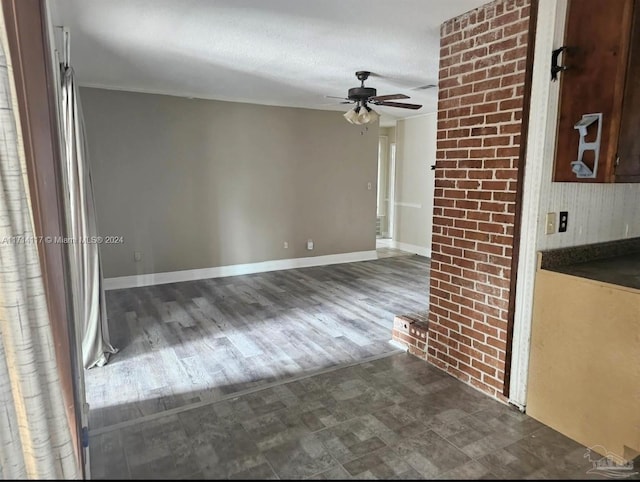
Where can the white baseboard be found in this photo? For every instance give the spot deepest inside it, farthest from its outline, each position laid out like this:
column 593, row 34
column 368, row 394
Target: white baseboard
column 412, row 248
column 383, row 243
column 234, row 270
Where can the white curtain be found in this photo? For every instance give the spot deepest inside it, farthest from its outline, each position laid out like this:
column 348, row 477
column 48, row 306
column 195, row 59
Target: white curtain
column 84, row 255
column 35, row 437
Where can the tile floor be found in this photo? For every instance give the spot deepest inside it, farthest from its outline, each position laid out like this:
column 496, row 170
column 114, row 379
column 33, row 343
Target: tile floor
column 393, row 418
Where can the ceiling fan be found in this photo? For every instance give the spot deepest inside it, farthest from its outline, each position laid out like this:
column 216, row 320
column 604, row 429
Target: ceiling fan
column 362, row 96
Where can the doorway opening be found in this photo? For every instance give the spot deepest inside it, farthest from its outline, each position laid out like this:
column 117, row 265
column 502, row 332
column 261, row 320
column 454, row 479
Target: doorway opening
column 385, row 200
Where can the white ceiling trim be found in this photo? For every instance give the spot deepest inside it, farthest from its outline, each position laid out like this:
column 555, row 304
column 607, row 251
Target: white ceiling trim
column 189, row 95
column 385, row 120
column 426, row 114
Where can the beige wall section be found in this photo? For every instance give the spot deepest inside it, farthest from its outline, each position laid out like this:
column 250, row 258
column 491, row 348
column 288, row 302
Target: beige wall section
column 415, row 153
column 584, row 374
column 197, row 183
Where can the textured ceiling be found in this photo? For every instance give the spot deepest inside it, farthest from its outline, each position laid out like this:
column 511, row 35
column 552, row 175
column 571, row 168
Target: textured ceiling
column 275, row 52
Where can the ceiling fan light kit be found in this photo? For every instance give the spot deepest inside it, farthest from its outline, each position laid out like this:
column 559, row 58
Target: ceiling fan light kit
column 368, row 115
column 361, row 115
column 352, row 115
column 361, row 96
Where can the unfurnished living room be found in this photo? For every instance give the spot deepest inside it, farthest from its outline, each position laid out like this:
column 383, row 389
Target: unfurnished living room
column 332, row 239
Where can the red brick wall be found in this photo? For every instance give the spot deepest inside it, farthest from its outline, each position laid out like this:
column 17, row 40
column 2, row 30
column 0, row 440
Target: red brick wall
column 482, row 67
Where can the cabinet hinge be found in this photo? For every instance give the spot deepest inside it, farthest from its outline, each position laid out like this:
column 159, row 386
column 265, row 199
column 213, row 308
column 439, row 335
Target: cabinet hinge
column 85, row 436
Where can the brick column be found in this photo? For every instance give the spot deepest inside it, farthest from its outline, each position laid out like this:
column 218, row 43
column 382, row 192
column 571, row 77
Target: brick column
column 482, row 67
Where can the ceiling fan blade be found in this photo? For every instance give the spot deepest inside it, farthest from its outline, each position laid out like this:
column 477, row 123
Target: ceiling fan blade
column 389, row 97
column 425, row 87
column 399, row 104
column 334, row 104
column 334, row 97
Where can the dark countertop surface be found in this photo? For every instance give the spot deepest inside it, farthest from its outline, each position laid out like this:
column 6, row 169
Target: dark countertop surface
column 615, row 262
column 620, row 270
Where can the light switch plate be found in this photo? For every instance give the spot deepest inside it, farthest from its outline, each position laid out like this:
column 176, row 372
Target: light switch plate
column 550, row 223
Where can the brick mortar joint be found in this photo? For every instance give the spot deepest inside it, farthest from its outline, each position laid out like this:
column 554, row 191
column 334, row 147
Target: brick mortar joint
column 511, row 36
column 480, row 34
column 448, row 368
column 456, row 23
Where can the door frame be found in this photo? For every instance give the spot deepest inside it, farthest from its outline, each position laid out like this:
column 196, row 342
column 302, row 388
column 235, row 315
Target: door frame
column 383, row 155
column 392, row 191
column 542, row 128
column 28, row 35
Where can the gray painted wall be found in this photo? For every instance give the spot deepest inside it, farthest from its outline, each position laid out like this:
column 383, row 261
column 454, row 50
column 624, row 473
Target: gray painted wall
column 195, row 183
column 415, row 181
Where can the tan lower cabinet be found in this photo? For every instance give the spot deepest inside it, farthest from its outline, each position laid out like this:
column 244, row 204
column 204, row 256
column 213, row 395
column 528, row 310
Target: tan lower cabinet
column 584, row 376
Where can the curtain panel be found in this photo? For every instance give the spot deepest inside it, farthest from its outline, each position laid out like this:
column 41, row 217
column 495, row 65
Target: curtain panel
column 84, row 255
column 35, row 436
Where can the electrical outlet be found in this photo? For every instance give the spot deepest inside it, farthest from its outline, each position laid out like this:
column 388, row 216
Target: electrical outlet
column 286, row 245
column 137, row 256
column 310, row 244
column 562, row 224
column 550, row 223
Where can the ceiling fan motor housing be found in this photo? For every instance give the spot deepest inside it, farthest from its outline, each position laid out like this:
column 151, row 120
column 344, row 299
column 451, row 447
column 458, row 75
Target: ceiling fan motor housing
column 361, row 93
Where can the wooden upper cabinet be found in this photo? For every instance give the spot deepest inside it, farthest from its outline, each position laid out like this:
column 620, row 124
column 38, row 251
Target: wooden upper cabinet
column 597, row 37
column 628, row 164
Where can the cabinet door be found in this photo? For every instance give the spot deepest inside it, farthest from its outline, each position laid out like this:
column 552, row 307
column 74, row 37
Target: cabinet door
column 597, row 34
column 628, row 164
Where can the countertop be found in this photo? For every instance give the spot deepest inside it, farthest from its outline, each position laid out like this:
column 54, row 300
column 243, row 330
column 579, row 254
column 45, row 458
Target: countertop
column 616, row 262
column 621, row 270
